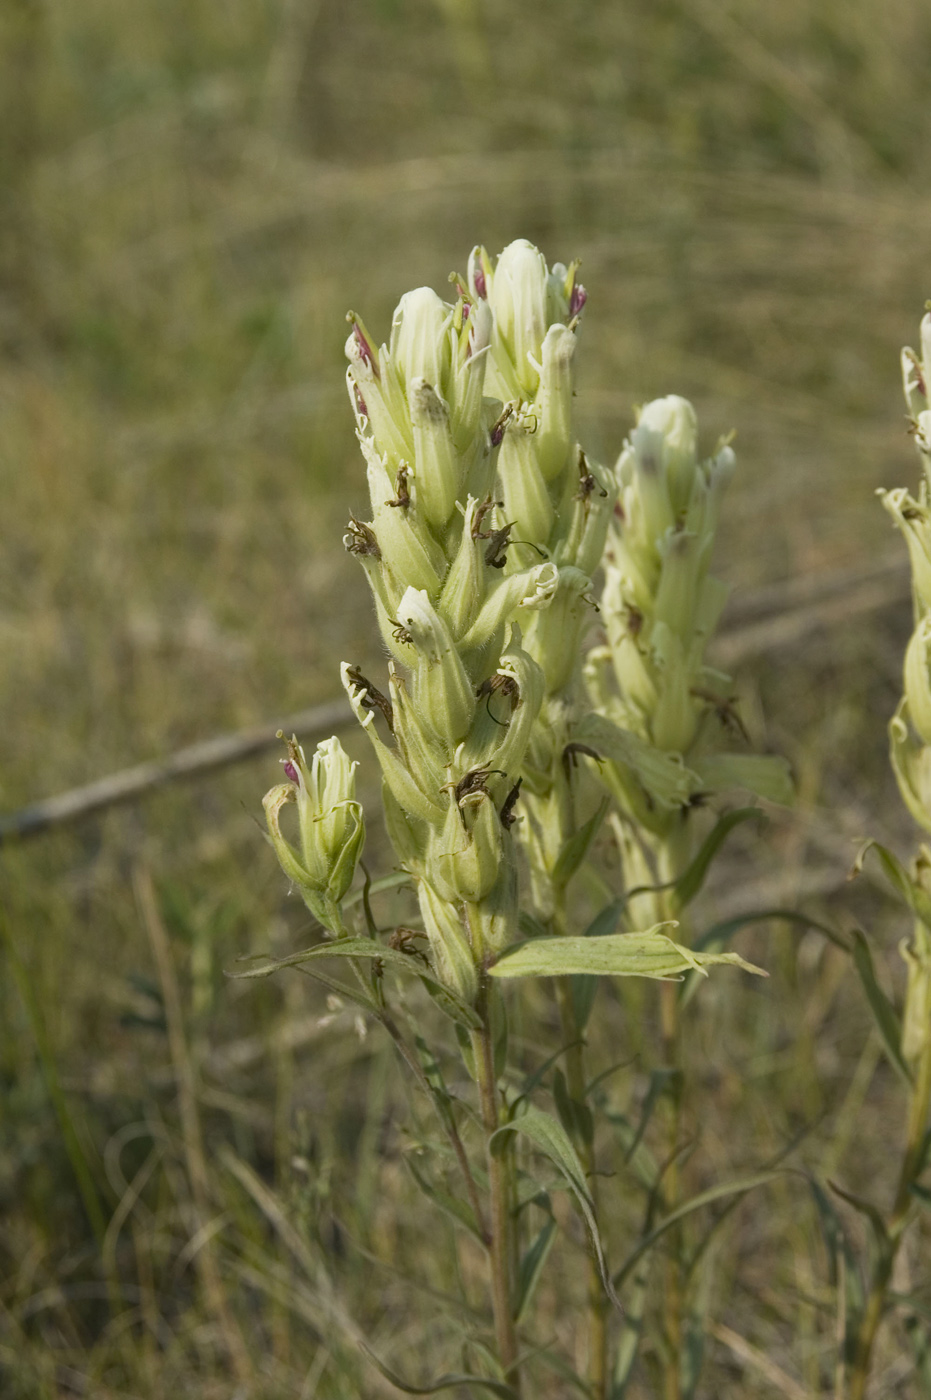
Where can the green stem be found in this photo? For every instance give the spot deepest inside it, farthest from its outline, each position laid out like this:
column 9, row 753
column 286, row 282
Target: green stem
column 500, row 1250
column 670, row 857
column 597, row 1299
column 875, row 1304
column 577, row 1079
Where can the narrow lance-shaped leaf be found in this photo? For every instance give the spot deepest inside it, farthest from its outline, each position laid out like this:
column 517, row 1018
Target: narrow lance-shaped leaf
column 690, row 882
column 577, row 847
column 457, row 1210
column 705, row 1198
column 446, row 1382
column 531, row 1268
column 908, row 889
column 884, row 1013
column 651, row 954
column 552, row 1139
column 720, row 934
column 454, row 1006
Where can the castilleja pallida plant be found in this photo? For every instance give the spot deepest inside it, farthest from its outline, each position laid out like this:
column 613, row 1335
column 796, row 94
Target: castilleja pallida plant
column 486, row 527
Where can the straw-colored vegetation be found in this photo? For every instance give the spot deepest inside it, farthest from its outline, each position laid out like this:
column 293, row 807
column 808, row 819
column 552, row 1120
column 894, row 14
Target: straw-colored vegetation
column 203, row 1183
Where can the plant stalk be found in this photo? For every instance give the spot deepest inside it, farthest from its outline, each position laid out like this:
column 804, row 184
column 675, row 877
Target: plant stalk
column 875, row 1304
column 597, row 1299
column 502, row 1223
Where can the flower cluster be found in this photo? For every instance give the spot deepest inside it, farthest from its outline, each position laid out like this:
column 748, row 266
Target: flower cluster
column 463, row 691
column 650, row 683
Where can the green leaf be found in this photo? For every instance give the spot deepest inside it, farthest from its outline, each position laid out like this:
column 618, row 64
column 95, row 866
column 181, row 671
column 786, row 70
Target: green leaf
column 688, row 884
column 576, row 848
column 458, row 1210
column 584, row 988
column 922, row 1194
column 867, row 1209
column 720, row 934
column 447, row 1382
column 765, row 775
column 552, row 1139
column 908, row 890
column 705, row 1198
column 884, row 1013
column 650, row 954
column 662, row 1081
column 839, row 1249
column 531, row 1268
column 575, row 1117
column 386, row 882
column 628, row 1343
column 448, row 1000
column 606, row 920
column 529, row 926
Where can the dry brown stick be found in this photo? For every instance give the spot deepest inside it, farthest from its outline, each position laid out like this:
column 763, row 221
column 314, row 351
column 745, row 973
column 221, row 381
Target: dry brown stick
column 764, row 619
column 220, row 752
column 191, row 1133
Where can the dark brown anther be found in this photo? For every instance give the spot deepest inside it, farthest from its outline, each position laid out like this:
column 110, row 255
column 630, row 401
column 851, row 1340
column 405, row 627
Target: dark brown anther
column 401, row 488
column 473, row 781
column 498, row 541
column 587, row 482
column 360, row 538
column 724, row 708
column 634, row 620
column 912, row 512
column 499, row 684
column 507, row 811
column 498, row 427
column 372, row 699
column 480, row 513
column 570, row 756
column 403, row 940
column 400, row 633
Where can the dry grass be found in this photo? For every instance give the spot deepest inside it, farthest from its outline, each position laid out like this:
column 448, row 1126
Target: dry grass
column 192, row 196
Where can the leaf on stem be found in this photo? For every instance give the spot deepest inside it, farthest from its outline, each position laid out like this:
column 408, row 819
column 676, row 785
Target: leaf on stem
column 447, row 1382
column 867, row 1209
column 844, row 1264
column 908, row 889
column 884, row 1013
column 577, row 847
column 531, row 1268
column 650, row 954
column 661, row 1081
column 552, row 1139
column 457, row 1210
column 705, row 1198
column 448, row 1001
column 720, row 934
column 690, row 882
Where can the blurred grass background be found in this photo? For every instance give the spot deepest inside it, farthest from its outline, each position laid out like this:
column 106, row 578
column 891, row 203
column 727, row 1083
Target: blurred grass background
column 191, row 197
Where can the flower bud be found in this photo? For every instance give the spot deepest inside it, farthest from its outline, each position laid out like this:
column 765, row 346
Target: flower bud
column 420, row 342
column 442, row 689
column 452, row 955
column 914, row 520
column 465, row 854
column 911, row 763
column 330, row 822
column 918, row 678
